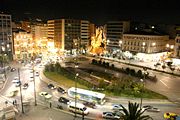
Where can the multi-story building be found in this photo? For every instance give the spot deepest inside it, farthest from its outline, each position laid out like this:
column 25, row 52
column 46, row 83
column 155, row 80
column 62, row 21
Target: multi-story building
column 24, row 47
column 144, row 43
column 64, row 32
column 177, row 46
column 40, row 34
column 6, row 36
column 115, row 30
column 85, row 33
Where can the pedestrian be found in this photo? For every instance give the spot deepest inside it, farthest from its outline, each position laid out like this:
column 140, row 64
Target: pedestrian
column 13, row 102
column 50, row 104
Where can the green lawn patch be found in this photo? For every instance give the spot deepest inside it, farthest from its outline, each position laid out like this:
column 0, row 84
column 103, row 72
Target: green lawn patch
column 62, row 80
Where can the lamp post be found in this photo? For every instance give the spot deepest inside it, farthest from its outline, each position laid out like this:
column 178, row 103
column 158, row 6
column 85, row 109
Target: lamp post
column 3, row 60
column 141, row 80
column 20, row 91
column 35, row 102
column 76, row 74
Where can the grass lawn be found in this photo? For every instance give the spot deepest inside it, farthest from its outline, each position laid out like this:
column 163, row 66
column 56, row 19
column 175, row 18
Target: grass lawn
column 66, row 82
column 62, row 80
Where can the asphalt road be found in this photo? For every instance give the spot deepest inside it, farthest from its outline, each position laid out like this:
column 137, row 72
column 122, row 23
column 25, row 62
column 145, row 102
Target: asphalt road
column 28, row 94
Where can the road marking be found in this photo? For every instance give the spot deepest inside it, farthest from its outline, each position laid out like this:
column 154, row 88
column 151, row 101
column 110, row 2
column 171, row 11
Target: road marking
column 164, row 84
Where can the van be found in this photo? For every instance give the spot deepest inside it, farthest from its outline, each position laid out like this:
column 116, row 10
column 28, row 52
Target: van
column 78, row 108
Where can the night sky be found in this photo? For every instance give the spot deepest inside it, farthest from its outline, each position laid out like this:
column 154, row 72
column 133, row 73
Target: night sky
column 97, row 11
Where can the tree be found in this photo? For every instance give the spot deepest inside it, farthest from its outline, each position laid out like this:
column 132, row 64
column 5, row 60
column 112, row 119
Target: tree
column 172, row 69
column 155, row 66
column 139, row 73
column 134, row 112
column 127, row 70
column 57, row 66
column 163, row 67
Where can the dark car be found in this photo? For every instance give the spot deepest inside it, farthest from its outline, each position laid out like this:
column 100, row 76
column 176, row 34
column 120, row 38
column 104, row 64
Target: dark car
column 61, row 90
column 51, row 86
column 90, row 104
column 25, row 86
column 63, row 100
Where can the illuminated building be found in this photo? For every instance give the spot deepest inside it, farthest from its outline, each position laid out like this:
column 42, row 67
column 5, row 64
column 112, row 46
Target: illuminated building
column 177, row 46
column 144, row 43
column 40, row 33
column 23, row 45
column 114, row 32
column 85, row 33
column 6, row 36
column 63, row 32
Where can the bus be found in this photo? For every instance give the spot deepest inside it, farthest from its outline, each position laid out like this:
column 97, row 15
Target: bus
column 87, row 95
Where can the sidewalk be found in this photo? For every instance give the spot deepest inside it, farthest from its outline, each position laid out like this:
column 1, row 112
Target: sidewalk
column 40, row 112
column 149, row 65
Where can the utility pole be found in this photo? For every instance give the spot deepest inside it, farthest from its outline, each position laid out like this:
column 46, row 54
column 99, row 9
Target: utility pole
column 20, row 92
column 76, row 74
column 35, row 102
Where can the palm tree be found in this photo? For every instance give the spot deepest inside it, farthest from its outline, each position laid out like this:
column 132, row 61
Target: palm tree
column 134, row 112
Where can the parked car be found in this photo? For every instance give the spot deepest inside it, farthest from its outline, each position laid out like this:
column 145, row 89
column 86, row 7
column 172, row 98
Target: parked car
column 150, row 108
column 61, row 90
column 64, row 100
column 45, row 94
column 110, row 115
column 51, row 86
column 25, row 86
column 90, row 104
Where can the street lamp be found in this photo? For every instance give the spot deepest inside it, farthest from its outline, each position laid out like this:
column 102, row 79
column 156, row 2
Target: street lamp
column 77, row 74
column 20, row 91
column 3, row 60
column 142, row 81
column 35, row 102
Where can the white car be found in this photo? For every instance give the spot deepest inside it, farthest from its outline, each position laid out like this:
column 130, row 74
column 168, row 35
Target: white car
column 15, row 80
column 31, row 78
column 110, row 115
column 45, row 94
column 150, row 108
column 37, row 73
column 117, row 107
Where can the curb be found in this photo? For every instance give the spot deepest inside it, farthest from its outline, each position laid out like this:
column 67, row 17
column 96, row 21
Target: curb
column 67, row 112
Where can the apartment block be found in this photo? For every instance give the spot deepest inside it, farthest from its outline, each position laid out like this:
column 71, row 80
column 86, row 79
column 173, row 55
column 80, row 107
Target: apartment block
column 24, row 47
column 115, row 30
column 144, row 43
column 6, row 44
column 177, row 46
column 65, row 32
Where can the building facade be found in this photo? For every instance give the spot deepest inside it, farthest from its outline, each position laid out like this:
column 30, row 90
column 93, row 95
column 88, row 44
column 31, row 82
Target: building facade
column 24, row 46
column 6, row 45
column 40, row 34
column 144, row 43
column 64, row 32
column 85, row 33
column 114, row 32
column 177, row 46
